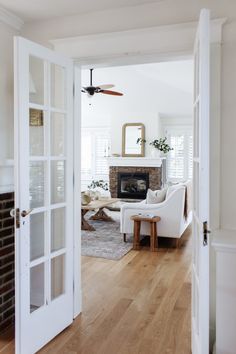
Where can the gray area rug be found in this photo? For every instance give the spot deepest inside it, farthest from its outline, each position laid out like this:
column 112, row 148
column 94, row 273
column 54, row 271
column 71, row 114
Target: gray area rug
column 107, row 241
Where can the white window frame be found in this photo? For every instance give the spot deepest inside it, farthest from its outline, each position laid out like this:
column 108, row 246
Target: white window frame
column 187, row 131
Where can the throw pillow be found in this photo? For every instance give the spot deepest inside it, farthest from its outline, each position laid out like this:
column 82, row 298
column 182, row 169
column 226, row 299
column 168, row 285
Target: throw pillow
column 157, row 196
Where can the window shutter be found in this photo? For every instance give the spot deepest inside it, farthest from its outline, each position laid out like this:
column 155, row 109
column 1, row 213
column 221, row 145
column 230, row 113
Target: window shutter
column 180, row 159
column 95, row 148
column 190, row 156
column 175, row 161
column 101, row 164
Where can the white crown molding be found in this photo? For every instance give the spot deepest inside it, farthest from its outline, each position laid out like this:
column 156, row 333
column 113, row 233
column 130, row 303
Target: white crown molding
column 10, row 19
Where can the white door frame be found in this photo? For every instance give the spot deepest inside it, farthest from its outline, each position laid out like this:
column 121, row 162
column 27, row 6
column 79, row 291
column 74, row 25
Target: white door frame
column 84, row 58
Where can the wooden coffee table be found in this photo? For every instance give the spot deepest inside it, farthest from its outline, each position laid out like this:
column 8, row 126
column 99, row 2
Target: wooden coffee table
column 153, row 230
column 99, row 215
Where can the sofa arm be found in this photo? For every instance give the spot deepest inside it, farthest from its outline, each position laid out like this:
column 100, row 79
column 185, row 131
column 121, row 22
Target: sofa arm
column 129, row 209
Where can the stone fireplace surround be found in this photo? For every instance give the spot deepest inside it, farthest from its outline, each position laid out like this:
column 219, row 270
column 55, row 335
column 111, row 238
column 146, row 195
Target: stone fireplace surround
column 134, row 165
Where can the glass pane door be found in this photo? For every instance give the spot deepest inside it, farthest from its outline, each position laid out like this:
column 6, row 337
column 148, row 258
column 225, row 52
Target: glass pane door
column 47, row 192
column 44, row 246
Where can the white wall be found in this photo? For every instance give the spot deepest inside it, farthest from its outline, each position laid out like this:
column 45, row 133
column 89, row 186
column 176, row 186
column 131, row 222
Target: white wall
column 149, row 90
column 6, row 106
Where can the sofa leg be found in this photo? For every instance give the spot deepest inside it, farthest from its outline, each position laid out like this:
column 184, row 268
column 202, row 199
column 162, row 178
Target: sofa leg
column 124, row 236
column 177, row 242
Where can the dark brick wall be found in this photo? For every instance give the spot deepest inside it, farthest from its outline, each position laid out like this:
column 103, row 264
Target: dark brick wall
column 155, row 176
column 7, row 256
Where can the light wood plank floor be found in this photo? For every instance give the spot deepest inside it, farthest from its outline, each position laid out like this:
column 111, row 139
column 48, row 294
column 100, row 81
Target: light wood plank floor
column 138, row 305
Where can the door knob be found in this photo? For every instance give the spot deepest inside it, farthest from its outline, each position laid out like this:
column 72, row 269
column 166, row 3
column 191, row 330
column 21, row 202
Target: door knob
column 24, row 213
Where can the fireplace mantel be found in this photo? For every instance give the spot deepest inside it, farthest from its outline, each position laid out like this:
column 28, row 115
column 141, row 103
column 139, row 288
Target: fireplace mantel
column 135, row 161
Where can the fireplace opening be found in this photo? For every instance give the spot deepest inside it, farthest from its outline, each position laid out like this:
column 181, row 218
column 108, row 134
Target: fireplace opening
column 132, row 185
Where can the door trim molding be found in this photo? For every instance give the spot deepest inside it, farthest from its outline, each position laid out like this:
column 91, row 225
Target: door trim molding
column 158, row 43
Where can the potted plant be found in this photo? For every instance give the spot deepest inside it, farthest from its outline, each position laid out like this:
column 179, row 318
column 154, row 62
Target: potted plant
column 97, row 187
column 141, row 141
column 160, row 145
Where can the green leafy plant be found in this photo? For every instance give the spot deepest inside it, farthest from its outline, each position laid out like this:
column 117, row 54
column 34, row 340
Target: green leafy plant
column 99, row 184
column 161, row 145
column 141, row 141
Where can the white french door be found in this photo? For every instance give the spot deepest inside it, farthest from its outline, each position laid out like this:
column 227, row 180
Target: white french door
column 43, row 194
column 200, row 266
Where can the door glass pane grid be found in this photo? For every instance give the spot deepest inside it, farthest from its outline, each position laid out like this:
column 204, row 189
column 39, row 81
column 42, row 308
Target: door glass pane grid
column 47, row 188
column 57, row 86
column 37, row 68
column 58, row 272
column 58, row 123
column 37, row 287
column 37, row 235
column 37, row 119
column 58, row 222
column 58, row 181
column 37, row 183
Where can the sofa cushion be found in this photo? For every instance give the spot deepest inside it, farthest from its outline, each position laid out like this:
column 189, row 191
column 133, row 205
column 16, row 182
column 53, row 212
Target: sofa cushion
column 157, row 196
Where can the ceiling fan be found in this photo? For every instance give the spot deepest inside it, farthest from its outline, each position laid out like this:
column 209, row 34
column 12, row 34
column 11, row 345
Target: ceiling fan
column 91, row 90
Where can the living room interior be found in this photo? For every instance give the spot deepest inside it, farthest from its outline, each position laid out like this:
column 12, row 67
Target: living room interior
column 156, row 98
column 142, row 301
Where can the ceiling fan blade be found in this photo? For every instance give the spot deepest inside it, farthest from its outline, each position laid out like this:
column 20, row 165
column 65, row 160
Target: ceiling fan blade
column 109, row 92
column 105, row 87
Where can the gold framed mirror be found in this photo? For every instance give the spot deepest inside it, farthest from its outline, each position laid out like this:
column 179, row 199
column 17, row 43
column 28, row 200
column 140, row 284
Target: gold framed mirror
column 131, row 132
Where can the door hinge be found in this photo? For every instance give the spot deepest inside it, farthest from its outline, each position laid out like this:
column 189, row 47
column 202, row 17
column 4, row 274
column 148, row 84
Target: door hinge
column 206, row 232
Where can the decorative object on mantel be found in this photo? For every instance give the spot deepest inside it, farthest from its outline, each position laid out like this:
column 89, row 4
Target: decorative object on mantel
column 161, row 145
column 141, row 141
column 131, row 132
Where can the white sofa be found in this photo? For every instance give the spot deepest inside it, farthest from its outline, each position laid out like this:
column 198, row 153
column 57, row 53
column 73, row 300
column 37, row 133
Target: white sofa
column 173, row 221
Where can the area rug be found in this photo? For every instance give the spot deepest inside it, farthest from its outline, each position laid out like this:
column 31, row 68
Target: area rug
column 107, row 241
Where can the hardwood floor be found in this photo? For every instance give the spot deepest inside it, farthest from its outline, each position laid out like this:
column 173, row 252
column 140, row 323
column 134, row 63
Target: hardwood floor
column 138, row 305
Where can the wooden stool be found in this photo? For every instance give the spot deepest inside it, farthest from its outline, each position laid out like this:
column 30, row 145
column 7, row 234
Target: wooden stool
column 153, row 231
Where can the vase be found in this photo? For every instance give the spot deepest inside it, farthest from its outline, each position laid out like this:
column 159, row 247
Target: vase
column 155, row 153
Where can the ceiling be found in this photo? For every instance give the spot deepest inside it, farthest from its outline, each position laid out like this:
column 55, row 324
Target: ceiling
column 175, row 74
column 35, row 10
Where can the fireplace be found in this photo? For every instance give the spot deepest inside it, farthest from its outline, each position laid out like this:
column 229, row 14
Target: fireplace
column 152, row 175
column 132, row 185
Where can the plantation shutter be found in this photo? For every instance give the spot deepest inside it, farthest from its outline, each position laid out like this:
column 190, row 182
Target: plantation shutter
column 175, row 161
column 94, row 151
column 180, row 159
column 190, row 156
column 101, row 164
